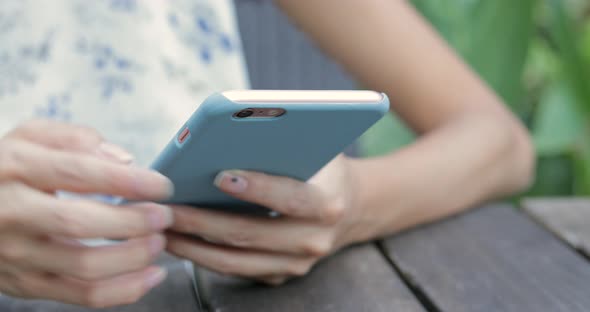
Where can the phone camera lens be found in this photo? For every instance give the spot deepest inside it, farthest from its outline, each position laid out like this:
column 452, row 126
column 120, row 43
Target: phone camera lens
column 244, row 113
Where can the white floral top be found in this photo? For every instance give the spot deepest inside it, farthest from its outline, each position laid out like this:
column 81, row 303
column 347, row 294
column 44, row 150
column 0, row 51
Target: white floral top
column 133, row 69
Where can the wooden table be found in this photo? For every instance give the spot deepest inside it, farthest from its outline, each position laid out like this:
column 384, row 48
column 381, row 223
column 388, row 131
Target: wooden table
column 495, row 258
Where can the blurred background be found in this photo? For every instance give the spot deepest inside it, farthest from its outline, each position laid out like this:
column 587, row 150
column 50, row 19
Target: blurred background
column 536, row 55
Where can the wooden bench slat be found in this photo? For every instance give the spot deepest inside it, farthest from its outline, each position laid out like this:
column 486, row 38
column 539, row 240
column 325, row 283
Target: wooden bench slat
column 174, row 295
column 492, row 259
column 568, row 218
column 356, row 279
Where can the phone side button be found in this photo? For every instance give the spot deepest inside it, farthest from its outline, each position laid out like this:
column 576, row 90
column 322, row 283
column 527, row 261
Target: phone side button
column 184, row 135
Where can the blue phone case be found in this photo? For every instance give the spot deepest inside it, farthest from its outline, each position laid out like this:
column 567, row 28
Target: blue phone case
column 296, row 144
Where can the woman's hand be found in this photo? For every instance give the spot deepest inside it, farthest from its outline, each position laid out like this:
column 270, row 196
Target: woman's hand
column 317, row 218
column 40, row 256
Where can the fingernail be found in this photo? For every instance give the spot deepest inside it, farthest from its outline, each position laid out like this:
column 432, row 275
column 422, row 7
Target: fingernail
column 160, row 217
column 156, row 277
column 114, row 152
column 231, row 181
column 156, row 244
column 153, row 185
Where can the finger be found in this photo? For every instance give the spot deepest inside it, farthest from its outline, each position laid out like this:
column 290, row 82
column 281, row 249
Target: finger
column 285, row 235
column 234, row 261
column 93, row 263
column 284, row 195
column 38, row 212
column 14, row 247
column 64, row 136
column 125, row 289
column 51, row 170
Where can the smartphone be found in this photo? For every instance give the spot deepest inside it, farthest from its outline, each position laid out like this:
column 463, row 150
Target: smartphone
column 285, row 133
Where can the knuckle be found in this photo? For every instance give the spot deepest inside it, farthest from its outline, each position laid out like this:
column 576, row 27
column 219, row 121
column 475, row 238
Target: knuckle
column 71, row 171
column 113, row 177
column 259, row 185
column 299, row 268
column 92, row 297
column 26, row 285
column 318, row 247
column 84, row 265
column 69, row 135
column 297, row 202
column 68, row 224
column 10, row 158
column 134, row 224
column 239, row 237
column 144, row 256
column 185, row 221
column 133, row 297
column 226, row 266
column 21, row 285
column 16, row 192
column 30, row 125
column 13, row 252
column 16, row 189
column 35, row 123
column 177, row 247
column 130, row 294
column 275, row 281
column 82, row 136
column 333, row 212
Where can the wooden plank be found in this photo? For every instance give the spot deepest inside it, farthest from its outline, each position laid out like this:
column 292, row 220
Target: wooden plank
column 492, row 259
column 356, row 279
column 173, row 295
column 568, row 218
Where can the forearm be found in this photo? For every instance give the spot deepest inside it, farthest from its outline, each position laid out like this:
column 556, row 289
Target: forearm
column 472, row 158
column 470, row 149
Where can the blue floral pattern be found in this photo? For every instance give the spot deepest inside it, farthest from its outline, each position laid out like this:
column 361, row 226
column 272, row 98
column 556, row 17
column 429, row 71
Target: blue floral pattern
column 135, row 70
column 197, row 26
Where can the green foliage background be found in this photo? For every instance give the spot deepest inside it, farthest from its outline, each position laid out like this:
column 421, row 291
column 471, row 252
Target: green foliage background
column 536, row 55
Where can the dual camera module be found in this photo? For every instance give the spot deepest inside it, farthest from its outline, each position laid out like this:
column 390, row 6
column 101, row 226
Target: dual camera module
column 259, row 113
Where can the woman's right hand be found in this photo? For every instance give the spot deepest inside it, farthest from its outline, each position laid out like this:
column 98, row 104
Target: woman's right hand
column 40, row 256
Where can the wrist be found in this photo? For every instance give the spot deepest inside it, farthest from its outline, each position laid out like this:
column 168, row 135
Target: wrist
column 366, row 221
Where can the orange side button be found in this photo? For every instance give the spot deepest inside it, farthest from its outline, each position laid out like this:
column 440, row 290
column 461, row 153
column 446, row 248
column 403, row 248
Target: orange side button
column 184, row 135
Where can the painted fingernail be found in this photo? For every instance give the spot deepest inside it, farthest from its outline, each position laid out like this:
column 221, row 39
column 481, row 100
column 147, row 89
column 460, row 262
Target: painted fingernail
column 156, row 276
column 114, row 152
column 231, row 181
column 160, row 217
column 156, row 244
column 153, row 185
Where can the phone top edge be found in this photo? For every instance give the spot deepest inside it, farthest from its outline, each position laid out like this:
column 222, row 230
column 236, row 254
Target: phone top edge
column 303, row 96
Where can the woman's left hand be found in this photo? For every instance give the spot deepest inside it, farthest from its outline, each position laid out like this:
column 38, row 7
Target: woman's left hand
column 318, row 217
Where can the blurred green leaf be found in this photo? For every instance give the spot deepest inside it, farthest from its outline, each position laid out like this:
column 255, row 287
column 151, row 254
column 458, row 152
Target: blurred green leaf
column 500, row 44
column 585, row 43
column 568, row 33
column 554, row 176
column 575, row 69
column 543, row 65
column 557, row 123
column 581, row 161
